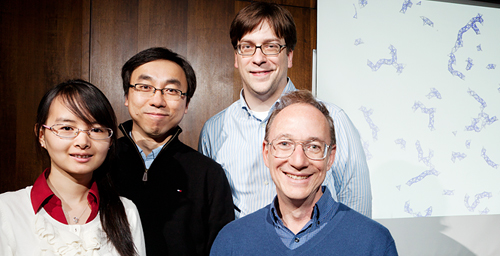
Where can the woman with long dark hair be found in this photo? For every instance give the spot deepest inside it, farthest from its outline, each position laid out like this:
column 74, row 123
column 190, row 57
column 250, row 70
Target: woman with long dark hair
column 72, row 208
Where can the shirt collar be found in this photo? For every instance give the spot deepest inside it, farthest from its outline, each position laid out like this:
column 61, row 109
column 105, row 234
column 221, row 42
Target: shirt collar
column 288, row 88
column 41, row 193
column 324, row 209
column 153, row 153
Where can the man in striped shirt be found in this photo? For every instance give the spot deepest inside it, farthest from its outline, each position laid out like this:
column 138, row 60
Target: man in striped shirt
column 264, row 36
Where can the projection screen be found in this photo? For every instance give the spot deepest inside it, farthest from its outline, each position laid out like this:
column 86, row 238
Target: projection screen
column 421, row 82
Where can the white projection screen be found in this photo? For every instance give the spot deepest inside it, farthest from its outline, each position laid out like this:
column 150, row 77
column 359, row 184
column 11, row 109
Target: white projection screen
column 421, row 82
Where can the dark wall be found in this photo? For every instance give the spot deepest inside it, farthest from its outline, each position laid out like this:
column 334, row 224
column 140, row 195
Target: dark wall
column 47, row 41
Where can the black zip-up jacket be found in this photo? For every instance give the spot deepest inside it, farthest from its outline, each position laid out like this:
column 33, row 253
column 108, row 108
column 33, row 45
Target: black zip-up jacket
column 184, row 199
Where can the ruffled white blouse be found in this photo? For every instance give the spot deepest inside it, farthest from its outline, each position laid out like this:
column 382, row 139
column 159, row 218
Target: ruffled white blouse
column 22, row 232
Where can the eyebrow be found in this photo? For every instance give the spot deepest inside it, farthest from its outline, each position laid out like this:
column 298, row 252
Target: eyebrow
column 145, row 77
column 266, row 41
column 288, row 136
column 65, row 120
column 173, row 81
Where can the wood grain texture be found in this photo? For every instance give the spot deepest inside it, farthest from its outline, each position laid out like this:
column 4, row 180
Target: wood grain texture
column 210, row 53
column 113, row 40
column 301, row 71
column 41, row 46
column 292, row 3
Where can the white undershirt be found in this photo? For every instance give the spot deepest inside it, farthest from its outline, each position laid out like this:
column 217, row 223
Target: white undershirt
column 259, row 115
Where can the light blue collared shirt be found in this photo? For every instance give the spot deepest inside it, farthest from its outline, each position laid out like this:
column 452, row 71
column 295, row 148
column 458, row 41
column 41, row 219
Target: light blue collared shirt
column 148, row 160
column 323, row 211
column 234, row 138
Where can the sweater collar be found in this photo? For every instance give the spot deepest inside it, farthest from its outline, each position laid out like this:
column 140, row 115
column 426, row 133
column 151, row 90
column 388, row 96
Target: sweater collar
column 126, row 128
column 323, row 210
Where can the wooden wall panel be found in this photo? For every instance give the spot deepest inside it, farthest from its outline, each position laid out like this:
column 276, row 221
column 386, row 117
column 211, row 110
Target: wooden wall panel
column 163, row 23
column 211, row 55
column 40, row 47
column 296, row 3
column 113, row 40
column 301, row 71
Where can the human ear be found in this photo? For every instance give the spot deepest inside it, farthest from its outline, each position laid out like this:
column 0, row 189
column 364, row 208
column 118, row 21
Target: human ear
column 235, row 59
column 186, row 109
column 290, row 58
column 331, row 156
column 265, row 152
column 41, row 135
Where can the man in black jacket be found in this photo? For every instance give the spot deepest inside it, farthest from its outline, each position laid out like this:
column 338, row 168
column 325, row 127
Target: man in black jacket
column 183, row 197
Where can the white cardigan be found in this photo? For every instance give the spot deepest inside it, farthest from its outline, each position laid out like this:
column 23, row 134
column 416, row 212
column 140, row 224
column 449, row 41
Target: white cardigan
column 22, row 232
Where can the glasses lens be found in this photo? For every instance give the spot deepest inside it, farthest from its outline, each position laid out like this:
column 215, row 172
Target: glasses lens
column 144, row 88
column 315, row 150
column 172, row 94
column 99, row 133
column 246, row 49
column 270, row 49
column 282, row 148
column 68, row 131
column 65, row 131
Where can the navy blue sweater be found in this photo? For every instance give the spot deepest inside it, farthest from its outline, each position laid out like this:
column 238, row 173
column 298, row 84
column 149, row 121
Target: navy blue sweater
column 348, row 233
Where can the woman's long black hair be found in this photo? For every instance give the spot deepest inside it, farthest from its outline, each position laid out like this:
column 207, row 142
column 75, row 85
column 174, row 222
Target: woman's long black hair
column 88, row 103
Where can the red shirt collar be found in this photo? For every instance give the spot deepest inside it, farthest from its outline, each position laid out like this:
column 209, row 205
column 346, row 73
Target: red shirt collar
column 42, row 196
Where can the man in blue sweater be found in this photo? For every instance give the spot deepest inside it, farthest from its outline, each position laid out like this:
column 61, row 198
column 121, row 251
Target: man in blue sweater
column 299, row 149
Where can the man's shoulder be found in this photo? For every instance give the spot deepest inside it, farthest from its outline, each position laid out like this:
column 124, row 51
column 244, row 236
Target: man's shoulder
column 332, row 108
column 123, row 143
column 219, row 117
column 351, row 232
column 194, row 160
column 358, row 223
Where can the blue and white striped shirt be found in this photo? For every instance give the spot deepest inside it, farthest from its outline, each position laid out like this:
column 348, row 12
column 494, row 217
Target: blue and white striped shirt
column 234, row 138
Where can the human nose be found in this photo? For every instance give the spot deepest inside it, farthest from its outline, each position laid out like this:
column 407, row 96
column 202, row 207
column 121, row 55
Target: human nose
column 298, row 159
column 82, row 139
column 158, row 99
column 259, row 57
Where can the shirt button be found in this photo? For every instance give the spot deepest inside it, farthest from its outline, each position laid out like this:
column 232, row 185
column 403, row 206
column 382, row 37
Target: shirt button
column 266, row 182
column 75, row 229
column 297, row 240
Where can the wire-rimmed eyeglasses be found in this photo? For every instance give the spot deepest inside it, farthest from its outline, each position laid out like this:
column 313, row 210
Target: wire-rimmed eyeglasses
column 168, row 93
column 269, row 49
column 284, row 148
column 69, row 131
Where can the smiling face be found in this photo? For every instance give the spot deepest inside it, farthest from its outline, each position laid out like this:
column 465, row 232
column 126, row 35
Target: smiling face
column 264, row 77
column 297, row 177
column 78, row 156
column 152, row 115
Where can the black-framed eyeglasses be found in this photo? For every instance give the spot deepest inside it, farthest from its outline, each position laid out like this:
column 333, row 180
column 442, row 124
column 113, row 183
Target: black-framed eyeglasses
column 284, row 148
column 149, row 90
column 68, row 131
column 270, row 49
